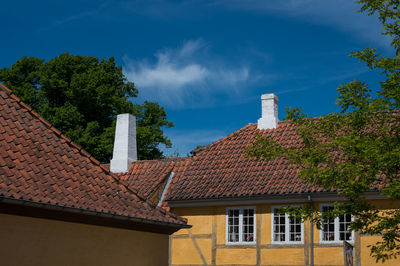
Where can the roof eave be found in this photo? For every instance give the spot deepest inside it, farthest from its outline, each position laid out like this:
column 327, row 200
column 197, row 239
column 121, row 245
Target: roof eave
column 260, row 199
column 71, row 214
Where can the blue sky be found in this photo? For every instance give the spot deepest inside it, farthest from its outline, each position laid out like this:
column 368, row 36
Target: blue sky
column 206, row 62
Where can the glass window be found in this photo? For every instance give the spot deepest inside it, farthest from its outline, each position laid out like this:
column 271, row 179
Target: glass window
column 279, row 226
column 336, row 229
column 248, row 225
column 233, row 226
column 285, row 228
column 328, row 226
column 295, row 231
column 241, row 225
column 344, row 227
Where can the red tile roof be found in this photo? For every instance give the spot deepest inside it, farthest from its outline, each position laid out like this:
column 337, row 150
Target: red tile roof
column 221, row 170
column 148, row 175
column 38, row 164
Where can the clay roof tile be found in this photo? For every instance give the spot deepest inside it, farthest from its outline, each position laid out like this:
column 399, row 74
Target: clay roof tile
column 40, row 164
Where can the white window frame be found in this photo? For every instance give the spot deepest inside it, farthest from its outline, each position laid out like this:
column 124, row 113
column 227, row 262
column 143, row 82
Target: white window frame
column 336, row 229
column 240, row 242
column 287, row 233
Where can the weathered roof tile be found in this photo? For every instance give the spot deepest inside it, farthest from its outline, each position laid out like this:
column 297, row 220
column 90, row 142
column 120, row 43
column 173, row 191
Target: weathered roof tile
column 222, row 170
column 39, row 164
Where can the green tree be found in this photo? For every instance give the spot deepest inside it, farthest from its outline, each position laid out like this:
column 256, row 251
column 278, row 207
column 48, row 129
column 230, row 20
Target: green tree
column 81, row 96
column 357, row 150
column 23, row 76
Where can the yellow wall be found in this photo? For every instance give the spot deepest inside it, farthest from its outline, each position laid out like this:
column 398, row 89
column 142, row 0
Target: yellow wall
column 282, row 256
column 205, row 244
column 368, row 260
column 34, row 241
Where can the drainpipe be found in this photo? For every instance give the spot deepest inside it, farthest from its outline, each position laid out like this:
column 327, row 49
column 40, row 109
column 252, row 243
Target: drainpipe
column 311, row 233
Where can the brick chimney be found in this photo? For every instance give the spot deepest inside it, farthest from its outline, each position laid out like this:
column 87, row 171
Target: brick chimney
column 269, row 111
column 125, row 151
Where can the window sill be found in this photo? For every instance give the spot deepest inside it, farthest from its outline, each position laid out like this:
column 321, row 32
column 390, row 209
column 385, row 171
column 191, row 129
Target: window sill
column 237, row 245
column 332, row 244
column 240, row 243
column 285, row 245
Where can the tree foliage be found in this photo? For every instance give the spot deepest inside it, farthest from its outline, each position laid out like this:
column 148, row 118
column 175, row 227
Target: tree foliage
column 357, row 150
column 81, row 96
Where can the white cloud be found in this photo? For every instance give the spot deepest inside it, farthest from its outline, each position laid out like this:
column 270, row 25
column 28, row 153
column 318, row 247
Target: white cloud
column 171, row 70
column 188, row 75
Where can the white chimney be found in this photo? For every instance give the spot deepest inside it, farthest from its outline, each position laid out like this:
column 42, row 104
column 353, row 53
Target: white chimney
column 124, row 144
column 269, row 111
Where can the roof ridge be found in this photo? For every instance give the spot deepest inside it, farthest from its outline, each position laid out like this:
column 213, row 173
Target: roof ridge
column 162, row 160
column 196, row 151
column 82, row 151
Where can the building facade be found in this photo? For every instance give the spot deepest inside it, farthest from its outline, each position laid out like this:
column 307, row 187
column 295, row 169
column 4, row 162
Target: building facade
column 60, row 206
column 232, row 202
column 269, row 239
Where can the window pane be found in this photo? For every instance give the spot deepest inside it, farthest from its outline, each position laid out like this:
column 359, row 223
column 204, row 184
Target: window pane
column 233, row 225
column 248, row 225
column 328, row 226
column 294, row 229
column 344, row 227
column 279, row 226
column 343, row 230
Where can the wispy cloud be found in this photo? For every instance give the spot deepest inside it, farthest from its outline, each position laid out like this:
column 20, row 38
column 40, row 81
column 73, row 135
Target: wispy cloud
column 187, row 75
column 341, row 14
column 340, row 77
column 164, row 8
column 74, row 17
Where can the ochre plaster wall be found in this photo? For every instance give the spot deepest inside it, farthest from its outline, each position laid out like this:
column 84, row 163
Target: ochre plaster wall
column 34, row 241
column 205, row 244
column 368, row 260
